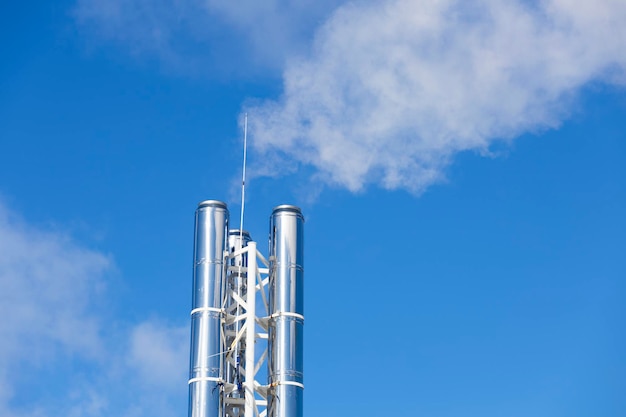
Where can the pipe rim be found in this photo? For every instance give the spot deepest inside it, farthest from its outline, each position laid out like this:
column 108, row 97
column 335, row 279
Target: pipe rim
column 212, row 203
column 288, row 208
column 236, row 232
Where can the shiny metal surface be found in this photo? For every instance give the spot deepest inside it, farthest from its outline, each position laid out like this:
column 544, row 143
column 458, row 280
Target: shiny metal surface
column 285, row 361
column 205, row 366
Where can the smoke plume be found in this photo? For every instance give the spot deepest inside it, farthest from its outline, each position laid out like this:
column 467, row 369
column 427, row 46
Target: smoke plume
column 392, row 90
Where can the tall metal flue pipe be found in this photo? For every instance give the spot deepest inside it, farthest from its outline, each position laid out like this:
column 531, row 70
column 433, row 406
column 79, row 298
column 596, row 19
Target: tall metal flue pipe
column 285, row 362
column 206, row 367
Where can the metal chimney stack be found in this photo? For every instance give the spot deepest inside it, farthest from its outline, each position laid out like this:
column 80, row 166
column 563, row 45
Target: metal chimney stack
column 287, row 309
column 246, row 317
column 205, row 368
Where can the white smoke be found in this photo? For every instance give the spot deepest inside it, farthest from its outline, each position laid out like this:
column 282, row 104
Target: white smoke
column 394, row 89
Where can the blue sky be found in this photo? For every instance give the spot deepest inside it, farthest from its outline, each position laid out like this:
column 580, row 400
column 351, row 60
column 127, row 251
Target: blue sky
column 460, row 166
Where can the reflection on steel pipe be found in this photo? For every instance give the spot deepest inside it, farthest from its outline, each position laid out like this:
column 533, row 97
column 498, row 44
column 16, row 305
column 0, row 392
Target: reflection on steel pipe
column 285, row 360
column 205, row 359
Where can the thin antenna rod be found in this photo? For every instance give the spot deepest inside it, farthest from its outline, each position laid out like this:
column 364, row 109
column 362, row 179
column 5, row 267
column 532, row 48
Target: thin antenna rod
column 243, row 176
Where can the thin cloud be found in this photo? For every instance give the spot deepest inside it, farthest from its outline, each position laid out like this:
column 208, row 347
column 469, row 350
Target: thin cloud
column 206, row 36
column 54, row 325
column 157, row 351
column 393, row 90
column 49, row 285
column 157, row 361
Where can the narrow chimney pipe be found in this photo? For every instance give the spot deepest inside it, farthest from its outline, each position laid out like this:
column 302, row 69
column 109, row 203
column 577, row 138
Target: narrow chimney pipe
column 285, row 359
column 205, row 368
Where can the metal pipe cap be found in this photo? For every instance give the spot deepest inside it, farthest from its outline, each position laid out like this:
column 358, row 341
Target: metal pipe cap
column 212, row 203
column 287, row 208
column 236, row 232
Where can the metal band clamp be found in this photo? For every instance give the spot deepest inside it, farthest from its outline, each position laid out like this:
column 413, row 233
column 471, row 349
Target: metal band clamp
column 205, row 378
column 287, row 314
column 203, row 309
column 294, row 383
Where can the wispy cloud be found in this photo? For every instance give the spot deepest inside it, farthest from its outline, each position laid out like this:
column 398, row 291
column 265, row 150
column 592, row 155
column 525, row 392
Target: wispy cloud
column 48, row 291
column 388, row 92
column 207, row 36
column 157, row 359
column 47, row 286
column 394, row 89
column 157, row 351
column 55, row 327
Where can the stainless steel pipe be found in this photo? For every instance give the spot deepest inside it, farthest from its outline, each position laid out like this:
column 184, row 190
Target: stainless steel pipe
column 205, row 368
column 285, row 359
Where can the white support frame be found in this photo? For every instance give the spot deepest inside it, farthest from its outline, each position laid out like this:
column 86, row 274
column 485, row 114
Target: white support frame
column 254, row 403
